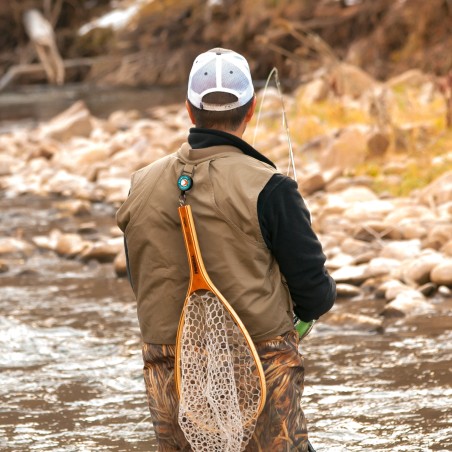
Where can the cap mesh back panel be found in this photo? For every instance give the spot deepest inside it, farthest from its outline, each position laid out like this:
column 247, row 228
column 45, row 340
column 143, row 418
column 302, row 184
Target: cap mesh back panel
column 204, row 78
column 231, row 78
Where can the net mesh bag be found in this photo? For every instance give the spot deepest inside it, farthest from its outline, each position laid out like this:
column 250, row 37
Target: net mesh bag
column 220, row 388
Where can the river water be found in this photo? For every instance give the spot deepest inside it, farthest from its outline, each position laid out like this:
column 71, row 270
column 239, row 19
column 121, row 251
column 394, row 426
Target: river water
column 71, row 365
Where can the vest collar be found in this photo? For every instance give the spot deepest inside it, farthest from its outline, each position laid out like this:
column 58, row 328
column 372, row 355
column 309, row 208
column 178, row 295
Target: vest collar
column 203, row 139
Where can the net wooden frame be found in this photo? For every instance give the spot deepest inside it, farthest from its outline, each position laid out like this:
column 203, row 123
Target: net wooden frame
column 235, row 417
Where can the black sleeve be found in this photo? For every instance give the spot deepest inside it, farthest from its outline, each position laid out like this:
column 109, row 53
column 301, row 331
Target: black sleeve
column 286, row 227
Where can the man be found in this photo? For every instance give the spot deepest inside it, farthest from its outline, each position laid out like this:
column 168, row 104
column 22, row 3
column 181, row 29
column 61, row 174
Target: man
column 257, row 244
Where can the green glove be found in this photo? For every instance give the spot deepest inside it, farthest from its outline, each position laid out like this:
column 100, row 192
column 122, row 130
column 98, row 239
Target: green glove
column 303, row 328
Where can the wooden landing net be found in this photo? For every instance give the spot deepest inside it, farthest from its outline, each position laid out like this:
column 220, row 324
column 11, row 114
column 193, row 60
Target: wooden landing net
column 219, row 376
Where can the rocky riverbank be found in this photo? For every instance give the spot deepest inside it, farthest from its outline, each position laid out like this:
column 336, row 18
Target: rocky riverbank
column 355, row 152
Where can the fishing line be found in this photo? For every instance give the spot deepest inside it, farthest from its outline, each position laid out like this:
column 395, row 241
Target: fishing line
column 285, row 125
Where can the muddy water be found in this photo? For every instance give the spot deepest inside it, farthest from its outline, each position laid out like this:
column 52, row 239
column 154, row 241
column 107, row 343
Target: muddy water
column 71, row 367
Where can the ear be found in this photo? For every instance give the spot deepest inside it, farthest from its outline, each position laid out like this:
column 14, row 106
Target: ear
column 251, row 111
column 190, row 113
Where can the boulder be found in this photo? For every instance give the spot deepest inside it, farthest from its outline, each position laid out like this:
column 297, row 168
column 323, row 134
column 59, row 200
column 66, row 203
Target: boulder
column 392, row 288
column 312, row 183
column 355, row 322
column 75, row 121
column 410, row 211
column 349, row 80
column 4, row 267
column 381, row 266
column 74, row 206
column 439, row 191
column 413, row 78
column 8, row 164
column 339, row 260
column 351, row 274
column 13, row 246
column 447, row 249
column 416, row 272
column 438, row 236
column 407, row 303
column 347, row 150
column 314, row 91
column 401, row 250
column 441, row 274
column 65, row 244
column 347, row 291
column 103, row 251
column 374, row 210
column 377, row 143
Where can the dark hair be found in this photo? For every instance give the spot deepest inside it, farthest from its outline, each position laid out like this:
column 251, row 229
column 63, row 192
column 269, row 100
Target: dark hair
column 225, row 120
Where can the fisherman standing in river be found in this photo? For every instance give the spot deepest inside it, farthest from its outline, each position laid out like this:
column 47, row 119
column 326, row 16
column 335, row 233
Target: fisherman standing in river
column 258, row 246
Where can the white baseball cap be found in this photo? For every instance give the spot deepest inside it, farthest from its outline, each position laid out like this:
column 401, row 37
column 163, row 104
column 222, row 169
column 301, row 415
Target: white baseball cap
column 220, row 70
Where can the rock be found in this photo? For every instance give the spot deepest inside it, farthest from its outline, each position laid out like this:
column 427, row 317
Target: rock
column 445, row 291
column 447, row 249
column 75, row 121
column 407, row 303
column 370, row 230
column 392, row 288
column 401, row 250
column 3, row 267
column 355, row 322
column 428, row 289
column 351, row 274
column 413, row 78
column 339, row 260
column 346, row 151
column 363, row 258
column 381, row 266
column 409, row 212
column 122, row 120
column 355, row 247
column 409, row 230
column 416, row 272
column 74, row 206
column 8, row 164
column 439, row 191
column 374, row 210
column 441, row 274
column 83, row 158
column 312, row 183
column 347, row 291
column 103, row 251
column 353, row 195
column 89, row 227
column 115, row 189
column 66, row 184
column 120, row 264
column 377, row 144
column 312, row 92
column 438, row 236
column 351, row 81
column 13, row 246
column 65, row 244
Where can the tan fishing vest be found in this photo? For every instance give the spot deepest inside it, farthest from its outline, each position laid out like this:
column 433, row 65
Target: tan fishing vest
column 226, row 186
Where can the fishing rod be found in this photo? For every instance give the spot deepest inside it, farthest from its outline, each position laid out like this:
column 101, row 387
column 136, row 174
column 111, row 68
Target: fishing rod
column 291, row 162
column 285, row 125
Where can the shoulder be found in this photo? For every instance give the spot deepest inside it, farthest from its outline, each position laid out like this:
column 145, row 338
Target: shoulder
column 150, row 170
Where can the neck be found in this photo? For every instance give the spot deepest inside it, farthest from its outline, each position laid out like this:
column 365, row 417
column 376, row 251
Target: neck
column 238, row 133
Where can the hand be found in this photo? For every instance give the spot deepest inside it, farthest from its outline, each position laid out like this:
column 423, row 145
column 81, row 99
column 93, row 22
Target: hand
column 303, row 328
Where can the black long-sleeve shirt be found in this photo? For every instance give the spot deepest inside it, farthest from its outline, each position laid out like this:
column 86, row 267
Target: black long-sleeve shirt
column 286, row 228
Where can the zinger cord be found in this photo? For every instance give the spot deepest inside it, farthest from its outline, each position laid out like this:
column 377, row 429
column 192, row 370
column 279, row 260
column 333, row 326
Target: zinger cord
column 284, row 120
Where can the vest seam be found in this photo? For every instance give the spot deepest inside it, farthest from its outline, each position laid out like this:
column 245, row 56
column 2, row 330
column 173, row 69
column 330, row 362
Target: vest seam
column 145, row 198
